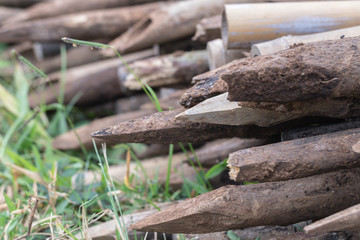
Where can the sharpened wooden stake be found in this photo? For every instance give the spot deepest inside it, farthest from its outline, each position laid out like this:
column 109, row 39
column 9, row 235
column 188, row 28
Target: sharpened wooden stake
column 348, row 219
column 275, row 203
column 165, row 128
column 297, row 158
column 326, row 69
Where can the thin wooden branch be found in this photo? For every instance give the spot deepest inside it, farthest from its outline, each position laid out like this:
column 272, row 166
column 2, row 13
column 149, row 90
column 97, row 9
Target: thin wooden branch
column 54, row 8
column 176, row 68
column 84, row 25
column 297, row 158
column 323, row 69
column 243, row 24
column 348, row 219
column 286, row 42
column 165, row 128
column 275, row 203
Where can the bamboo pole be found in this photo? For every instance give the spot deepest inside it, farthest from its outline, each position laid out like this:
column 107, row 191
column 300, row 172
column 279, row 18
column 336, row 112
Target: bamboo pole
column 348, row 219
column 73, row 139
column 219, row 56
column 275, row 203
column 84, row 83
column 176, row 68
column 54, row 8
column 287, row 42
column 165, row 128
column 323, row 69
column 243, row 24
column 297, row 158
column 84, row 25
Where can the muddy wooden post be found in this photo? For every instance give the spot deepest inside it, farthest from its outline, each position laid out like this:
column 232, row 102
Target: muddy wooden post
column 176, row 68
column 314, row 70
column 274, row 203
column 54, row 8
column 219, row 110
column 83, row 82
column 297, row 158
column 243, row 24
column 348, row 219
column 84, row 25
column 287, row 42
column 165, row 128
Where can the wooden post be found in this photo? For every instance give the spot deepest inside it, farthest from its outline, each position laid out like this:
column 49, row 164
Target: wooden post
column 297, row 158
column 84, row 80
column 275, row 203
column 348, row 219
column 326, row 69
column 243, row 24
column 287, row 42
column 165, row 128
column 176, row 68
column 85, row 25
column 47, row 9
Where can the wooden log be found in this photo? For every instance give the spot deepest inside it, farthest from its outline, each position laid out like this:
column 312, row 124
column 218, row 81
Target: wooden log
column 158, row 27
column 244, row 24
column 208, row 29
column 84, row 80
column 275, row 203
column 167, row 102
column 132, row 103
column 216, row 151
column 348, row 219
column 85, row 25
column 297, row 158
column 54, row 8
column 19, row 3
column 6, row 12
column 219, row 56
column 287, row 42
column 310, row 131
column 322, row 69
column 177, row 68
column 319, row 236
column 165, row 128
column 219, row 110
column 69, row 140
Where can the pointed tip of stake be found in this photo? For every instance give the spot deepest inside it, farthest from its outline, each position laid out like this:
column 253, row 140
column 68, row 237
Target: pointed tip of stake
column 101, row 133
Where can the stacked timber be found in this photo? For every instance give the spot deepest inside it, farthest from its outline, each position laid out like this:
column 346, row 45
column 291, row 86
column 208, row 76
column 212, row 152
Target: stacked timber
column 285, row 120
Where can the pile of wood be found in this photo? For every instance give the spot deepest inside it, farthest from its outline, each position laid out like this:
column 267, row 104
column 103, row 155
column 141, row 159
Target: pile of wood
column 284, row 111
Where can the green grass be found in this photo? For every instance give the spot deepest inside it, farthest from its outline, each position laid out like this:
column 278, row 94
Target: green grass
column 30, row 167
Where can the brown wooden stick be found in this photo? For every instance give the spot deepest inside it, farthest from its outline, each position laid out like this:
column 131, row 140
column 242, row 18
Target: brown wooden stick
column 177, row 68
column 61, row 7
column 85, row 25
column 275, row 203
column 6, row 12
column 297, row 158
column 348, row 219
column 84, row 80
column 69, row 140
column 322, row 69
column 165, row 128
